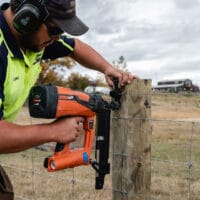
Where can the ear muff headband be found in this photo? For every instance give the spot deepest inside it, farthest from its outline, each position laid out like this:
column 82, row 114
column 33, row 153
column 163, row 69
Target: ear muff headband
column 29, row 15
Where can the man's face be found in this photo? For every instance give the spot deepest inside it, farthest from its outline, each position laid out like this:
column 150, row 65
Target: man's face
column 41, row 38
column 28, row 42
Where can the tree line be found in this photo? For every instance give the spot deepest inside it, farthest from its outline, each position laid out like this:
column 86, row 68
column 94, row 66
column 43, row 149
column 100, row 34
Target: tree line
column 51, row 68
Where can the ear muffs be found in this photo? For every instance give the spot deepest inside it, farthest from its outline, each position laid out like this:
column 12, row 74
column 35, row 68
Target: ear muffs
column 29, row 15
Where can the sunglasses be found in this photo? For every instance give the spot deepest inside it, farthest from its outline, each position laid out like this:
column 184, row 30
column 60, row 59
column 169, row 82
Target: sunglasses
column 53, row 30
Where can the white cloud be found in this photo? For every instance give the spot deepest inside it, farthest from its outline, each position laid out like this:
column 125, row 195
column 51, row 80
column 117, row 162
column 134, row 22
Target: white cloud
column 158, row 38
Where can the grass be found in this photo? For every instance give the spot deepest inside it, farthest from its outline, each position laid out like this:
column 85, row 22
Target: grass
column 175, row 165
column 175, row 147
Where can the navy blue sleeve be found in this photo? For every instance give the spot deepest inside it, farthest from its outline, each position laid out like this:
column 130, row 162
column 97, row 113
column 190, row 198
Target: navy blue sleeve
column 61, row 48
column 1, row 103
column 3, row 69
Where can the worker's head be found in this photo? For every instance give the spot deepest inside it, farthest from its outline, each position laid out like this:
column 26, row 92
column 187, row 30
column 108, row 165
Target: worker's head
column 31, row 14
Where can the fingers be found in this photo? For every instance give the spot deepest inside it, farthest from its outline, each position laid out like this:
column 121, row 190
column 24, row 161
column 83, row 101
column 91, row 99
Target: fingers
column 127, row 78
column 79, row 121
column 79, row 127
column 109, row 80
column 66, row 130
column 124, row 77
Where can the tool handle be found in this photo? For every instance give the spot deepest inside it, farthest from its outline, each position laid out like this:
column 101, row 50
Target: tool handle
column 116, row 82
column 64, row 157
column 116, row 92
column 59, row 147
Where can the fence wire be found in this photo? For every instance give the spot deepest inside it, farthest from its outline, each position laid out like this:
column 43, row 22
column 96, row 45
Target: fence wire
column 175, row 169
column 175, row 160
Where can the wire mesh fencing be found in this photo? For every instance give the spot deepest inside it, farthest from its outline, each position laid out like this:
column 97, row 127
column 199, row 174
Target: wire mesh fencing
column 32, row 182
column 175, row 160
column 175, row 168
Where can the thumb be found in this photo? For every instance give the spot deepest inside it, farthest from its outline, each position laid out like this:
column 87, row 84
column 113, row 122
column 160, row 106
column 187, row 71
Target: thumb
column 109, row 81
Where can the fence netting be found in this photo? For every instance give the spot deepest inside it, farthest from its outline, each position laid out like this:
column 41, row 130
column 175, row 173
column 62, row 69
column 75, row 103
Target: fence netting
column 175, row 168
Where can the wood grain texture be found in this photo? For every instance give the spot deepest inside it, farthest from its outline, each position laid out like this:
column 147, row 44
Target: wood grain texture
column 131, row 143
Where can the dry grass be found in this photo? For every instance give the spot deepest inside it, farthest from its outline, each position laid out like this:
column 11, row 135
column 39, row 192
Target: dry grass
column 175, row 146
column 175, row 106
column 175, row 143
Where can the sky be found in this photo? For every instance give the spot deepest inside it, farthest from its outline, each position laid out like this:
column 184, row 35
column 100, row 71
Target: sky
column 160, row 39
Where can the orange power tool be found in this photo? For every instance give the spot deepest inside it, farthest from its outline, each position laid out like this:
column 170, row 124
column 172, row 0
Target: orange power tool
column 49, row 102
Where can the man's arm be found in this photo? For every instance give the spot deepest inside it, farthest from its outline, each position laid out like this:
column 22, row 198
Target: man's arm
column 16, row 138
column 88, row 57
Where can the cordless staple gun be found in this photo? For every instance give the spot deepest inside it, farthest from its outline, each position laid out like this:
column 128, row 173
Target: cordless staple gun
column 52, row 102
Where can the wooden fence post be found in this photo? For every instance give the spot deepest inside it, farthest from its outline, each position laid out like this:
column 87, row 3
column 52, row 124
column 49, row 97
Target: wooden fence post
column 131, row 138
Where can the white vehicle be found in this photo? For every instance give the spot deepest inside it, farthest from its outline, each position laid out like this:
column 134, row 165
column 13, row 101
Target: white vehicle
column 97, row 90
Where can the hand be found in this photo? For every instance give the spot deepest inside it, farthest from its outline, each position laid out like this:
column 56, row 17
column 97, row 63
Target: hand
column 123, row 77
column 67, row 129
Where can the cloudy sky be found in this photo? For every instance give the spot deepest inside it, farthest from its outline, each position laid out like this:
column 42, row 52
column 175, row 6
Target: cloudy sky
column 160, row 39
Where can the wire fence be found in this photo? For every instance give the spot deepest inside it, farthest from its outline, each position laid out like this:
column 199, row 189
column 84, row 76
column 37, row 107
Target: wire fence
column 175, row 168
column 175, row 161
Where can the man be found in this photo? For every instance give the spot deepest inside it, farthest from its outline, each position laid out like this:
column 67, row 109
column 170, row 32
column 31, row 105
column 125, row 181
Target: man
column 31, row 30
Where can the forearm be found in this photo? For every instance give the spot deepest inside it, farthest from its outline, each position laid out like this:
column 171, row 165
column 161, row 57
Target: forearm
column 16, row 138
column 88, row 57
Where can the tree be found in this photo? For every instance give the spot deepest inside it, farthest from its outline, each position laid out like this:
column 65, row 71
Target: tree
column 64, row 61
column 120, row 63
column 77, row 82
column 50, row 68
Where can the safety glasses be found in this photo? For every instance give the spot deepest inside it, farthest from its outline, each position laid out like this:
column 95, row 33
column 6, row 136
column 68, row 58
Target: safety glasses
column 53, row 30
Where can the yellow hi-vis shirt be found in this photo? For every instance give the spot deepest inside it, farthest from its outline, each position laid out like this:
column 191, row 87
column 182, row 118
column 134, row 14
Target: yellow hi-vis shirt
column 19, row 71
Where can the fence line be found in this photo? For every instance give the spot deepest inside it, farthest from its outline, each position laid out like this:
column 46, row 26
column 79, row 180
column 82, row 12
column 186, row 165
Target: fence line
column 188, row 164
column 175, row 167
